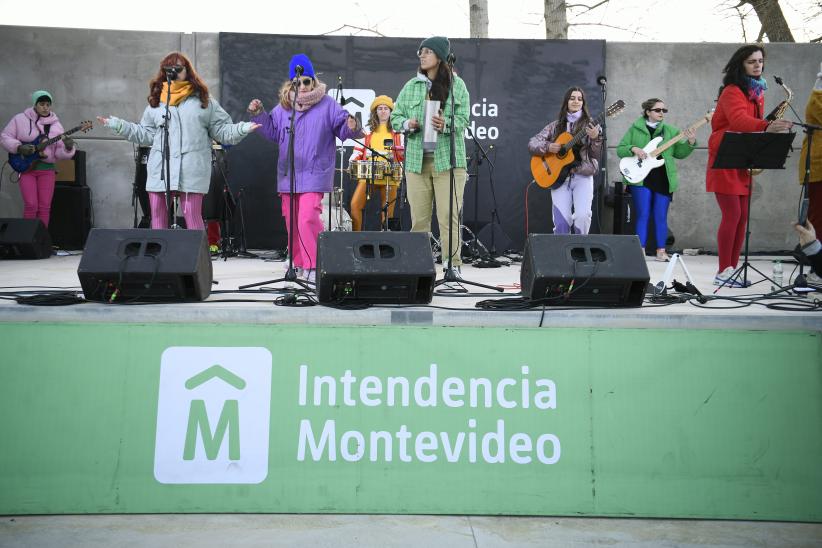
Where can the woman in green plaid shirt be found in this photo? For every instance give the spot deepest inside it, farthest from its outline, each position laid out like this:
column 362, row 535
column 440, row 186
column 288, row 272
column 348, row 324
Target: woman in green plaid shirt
column 427, row 165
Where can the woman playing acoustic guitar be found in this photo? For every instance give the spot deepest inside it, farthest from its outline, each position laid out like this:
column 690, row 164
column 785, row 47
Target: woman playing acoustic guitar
column 572, row 198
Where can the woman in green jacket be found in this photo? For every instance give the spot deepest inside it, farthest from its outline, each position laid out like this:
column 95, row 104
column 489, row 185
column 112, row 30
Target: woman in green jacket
column 655, row 192
column 427, row 164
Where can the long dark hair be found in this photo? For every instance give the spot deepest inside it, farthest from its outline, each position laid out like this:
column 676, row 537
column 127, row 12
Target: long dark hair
column 155, row 87
column 440, row 84
column 562, row 119
column 735, row 69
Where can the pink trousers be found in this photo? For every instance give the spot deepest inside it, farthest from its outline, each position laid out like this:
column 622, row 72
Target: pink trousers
column 190, row 202
column 307, row 226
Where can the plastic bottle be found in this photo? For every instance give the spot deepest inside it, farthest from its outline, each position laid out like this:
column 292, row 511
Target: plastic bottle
column 777, row 273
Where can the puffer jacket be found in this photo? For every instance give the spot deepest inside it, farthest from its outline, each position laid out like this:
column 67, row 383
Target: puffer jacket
column 26, row 126
column 639, row 136
column 190, row 133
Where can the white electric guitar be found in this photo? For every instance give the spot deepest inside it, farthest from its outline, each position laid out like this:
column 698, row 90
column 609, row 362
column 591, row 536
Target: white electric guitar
column 635, row 169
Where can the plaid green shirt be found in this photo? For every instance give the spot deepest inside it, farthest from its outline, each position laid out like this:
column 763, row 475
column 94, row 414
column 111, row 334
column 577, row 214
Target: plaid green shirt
column 411, row 104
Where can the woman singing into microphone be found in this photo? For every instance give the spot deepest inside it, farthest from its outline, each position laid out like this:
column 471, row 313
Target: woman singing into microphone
column 195, row 119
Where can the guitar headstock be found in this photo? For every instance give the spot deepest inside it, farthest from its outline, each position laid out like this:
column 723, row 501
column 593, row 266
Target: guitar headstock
column 709, row 115
column 615, row 109
column 86, row 125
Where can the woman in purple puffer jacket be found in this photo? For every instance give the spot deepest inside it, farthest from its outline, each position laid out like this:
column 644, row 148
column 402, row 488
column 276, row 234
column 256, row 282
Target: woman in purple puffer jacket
column 37, row 183
column 319, row 119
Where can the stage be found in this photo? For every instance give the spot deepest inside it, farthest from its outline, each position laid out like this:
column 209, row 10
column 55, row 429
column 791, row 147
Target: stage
column 60, row 273
column 237, row 404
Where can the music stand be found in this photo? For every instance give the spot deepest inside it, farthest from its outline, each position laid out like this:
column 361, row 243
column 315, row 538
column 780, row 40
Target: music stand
column 751, row 151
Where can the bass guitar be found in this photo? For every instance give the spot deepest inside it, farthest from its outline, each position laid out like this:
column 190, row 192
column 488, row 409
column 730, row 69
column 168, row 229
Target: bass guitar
column 552, row 168
column 21, row 163
column 635, row 169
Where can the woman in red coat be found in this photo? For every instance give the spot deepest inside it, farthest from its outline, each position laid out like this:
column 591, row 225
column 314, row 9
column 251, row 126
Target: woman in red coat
column 739, row 108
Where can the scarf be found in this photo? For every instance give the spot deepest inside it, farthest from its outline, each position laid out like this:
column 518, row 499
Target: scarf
column 651, row 124
column 756, row 87
column 307, row 99
column 179, row 91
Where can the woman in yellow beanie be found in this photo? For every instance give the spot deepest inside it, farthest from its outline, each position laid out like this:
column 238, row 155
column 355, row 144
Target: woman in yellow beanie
column 379, row 131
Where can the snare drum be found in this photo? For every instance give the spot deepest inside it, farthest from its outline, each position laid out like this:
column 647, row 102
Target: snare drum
column 366, row 169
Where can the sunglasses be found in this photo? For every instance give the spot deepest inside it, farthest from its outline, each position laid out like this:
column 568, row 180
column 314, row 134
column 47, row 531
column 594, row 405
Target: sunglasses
column 303, row 81
column 662, row 110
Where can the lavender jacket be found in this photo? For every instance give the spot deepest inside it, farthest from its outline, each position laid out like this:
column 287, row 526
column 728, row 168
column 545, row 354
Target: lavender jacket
column 314, row 145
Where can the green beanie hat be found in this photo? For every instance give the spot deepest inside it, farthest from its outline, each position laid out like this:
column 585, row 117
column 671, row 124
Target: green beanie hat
column 439, row 45
column 40, row 93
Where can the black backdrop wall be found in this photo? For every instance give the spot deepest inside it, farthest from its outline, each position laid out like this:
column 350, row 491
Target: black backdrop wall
column 516, row 87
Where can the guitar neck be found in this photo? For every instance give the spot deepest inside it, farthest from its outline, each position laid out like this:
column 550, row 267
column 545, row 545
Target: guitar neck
column 662, row 148
column 581, row 132
column 44, row 144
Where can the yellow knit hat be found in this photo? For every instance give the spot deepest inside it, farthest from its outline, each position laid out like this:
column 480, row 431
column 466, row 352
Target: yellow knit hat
column 382, row 100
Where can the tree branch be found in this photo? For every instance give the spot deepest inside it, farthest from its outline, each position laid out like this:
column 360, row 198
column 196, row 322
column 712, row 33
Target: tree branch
column 375, row 31
column 590, row 8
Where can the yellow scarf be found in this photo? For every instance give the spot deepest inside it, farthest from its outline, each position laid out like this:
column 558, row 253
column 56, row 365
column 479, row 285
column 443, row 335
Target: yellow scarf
column 179, row 91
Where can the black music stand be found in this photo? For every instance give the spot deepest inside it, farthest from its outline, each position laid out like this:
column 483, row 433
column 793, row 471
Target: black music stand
column 751, row 151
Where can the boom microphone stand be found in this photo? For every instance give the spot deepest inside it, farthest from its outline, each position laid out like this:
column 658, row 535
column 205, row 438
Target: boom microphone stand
column 290, row 273
column 450, row 275
column 490, row 261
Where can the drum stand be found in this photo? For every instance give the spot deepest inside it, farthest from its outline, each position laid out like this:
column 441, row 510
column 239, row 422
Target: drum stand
column 228, row 240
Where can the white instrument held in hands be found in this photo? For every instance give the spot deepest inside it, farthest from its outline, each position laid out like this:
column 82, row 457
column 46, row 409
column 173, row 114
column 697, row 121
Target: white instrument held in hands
column 635, row 169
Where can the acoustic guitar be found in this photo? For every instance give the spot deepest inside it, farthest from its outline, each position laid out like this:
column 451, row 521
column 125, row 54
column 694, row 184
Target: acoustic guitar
column 551, row 168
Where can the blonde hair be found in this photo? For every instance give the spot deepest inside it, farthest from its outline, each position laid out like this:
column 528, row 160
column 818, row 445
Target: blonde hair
column 285, row 100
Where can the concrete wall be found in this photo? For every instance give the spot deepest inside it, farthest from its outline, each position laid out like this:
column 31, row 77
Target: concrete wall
column 94, row 72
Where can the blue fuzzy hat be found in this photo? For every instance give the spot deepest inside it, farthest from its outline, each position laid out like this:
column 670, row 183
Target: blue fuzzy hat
column 302, row 60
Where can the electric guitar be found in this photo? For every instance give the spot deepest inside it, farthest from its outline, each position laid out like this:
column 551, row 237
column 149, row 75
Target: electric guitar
column 635, row 169
column 551, row 168
column 21, row 163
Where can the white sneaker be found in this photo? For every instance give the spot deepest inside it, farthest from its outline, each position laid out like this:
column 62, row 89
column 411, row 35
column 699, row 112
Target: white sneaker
column 724, row 278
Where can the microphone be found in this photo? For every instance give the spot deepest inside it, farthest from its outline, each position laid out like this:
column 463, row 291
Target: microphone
column 298, row 70
column 340, row 90
column 172, row 71
column 451, row 59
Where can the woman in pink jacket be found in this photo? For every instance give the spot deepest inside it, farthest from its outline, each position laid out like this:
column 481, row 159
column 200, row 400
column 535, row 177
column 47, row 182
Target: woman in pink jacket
column 37, row 183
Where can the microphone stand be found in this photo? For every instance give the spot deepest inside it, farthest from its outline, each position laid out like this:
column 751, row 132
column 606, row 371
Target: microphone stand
column 165, row 172
column 490, row 261
column 450, row 275
column 603, row 160
column 337, row 193
column 290, row 273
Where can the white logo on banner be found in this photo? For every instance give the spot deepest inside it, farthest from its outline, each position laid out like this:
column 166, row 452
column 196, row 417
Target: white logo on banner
column 357, row 103
column 213, row 415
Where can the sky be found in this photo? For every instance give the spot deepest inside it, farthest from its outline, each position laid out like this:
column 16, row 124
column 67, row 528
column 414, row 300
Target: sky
column 627, row 20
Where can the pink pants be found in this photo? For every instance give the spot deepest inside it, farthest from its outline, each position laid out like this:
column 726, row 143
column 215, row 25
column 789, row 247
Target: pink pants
column 191, row 203
column 37, row 189
column 307, row 226
column 731, row 233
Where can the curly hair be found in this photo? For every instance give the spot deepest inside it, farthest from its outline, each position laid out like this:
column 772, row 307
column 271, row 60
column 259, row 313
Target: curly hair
column 735, row 69
column 285, row 100
column 155, row 87
column 374, row 121
column 562, row 119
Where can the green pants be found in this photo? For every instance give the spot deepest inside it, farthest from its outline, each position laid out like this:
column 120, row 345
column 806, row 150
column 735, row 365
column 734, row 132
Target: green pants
column 429, row 187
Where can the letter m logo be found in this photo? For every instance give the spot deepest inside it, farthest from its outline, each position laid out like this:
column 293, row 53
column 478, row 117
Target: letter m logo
column 213, row 415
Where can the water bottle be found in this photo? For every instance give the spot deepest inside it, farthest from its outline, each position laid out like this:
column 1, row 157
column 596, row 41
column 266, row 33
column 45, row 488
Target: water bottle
column 777, row 273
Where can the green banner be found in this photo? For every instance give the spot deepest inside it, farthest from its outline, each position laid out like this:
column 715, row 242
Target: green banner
column 259, row 418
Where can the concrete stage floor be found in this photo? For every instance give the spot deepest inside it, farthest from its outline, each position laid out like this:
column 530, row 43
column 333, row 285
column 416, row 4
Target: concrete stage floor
column 60, row 272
